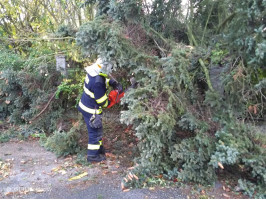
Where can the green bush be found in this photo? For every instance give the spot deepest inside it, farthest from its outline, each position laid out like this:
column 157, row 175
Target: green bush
column 8, row 134
column 251, row 189
column 63, row 143
column 193, row 156
column 25, row 94
column 10, row 60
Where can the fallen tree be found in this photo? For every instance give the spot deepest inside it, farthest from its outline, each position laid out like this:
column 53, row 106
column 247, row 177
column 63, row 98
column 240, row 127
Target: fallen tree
column 186, row 127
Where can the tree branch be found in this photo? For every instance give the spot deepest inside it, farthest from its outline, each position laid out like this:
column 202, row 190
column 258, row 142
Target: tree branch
column 229, row 18
column 206, row 72
column 44, row 108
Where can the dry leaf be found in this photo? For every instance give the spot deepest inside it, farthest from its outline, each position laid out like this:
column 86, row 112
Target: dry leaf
column 39, row 190
column 238, row 74
column 79, row 176
column 115, row 139
column 136, row 177
column 122, row 186
column 131, row 144
column 110, row 155
column 129, row 177
column 126, row 190
column 220, row 165
column 63, row 172
column 56, row 169
column 114, row 172
column 226, row 195
column 8, row 193
column 105, row 172
column 250, row 108
column 104, row 167
column 23, row 162
column 255, row 109
column 125, row 179
column 75, row 124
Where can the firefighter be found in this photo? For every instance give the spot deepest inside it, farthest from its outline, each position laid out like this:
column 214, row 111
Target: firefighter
column 93, row 99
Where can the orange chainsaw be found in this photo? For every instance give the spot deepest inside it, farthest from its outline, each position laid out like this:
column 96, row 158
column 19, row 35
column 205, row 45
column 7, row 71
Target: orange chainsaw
column 115, row 96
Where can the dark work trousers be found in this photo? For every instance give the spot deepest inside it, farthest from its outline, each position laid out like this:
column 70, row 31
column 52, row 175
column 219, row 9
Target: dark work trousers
column 95, row 138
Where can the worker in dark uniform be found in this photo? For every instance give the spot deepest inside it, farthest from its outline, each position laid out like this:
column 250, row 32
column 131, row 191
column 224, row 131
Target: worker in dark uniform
column 93, row 99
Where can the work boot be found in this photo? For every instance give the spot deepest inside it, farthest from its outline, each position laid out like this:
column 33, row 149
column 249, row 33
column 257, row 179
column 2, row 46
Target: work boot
column 102, row 150
column 97, row 158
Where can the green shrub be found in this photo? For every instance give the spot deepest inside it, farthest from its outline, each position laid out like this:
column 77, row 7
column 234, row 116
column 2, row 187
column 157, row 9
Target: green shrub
column 251, row 189
column 10, row 60
column 63, row 143
column 6, row 135
column 193, row 156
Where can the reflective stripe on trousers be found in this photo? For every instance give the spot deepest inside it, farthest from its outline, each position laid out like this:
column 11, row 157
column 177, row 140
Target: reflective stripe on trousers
column 95, row 138
column 95, row 146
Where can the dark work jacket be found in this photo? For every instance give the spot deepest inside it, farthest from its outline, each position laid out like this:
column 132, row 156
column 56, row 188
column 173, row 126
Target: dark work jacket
column 98, row 87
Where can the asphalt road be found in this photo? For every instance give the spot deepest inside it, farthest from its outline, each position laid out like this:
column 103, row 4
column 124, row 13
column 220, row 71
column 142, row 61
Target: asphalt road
column 108, row 188
column 32, row 172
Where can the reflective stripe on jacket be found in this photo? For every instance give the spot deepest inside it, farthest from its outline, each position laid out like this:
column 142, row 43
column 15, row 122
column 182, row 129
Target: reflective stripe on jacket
column 94, row 96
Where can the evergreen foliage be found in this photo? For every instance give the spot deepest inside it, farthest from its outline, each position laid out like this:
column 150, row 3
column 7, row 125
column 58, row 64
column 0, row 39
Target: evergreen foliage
column 246, row 32
column 63, row 143
column 193, row 157
column 192, row 103
column 24, row 93
column 181, row 123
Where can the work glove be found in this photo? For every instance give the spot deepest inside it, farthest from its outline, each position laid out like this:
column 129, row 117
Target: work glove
column 119, row 87
column 116, row 85
column 96, row 121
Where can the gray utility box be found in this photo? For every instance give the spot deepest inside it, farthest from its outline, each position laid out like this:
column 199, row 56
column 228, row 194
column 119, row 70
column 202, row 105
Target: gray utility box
column 61, row 64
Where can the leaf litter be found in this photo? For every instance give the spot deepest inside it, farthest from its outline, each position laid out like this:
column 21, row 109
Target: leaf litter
column 5, row 169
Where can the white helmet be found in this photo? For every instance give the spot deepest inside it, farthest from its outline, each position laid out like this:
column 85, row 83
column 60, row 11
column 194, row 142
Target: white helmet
column 98, row 67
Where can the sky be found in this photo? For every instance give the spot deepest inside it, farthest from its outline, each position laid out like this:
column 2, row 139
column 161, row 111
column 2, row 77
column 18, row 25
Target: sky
column 184, row 5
